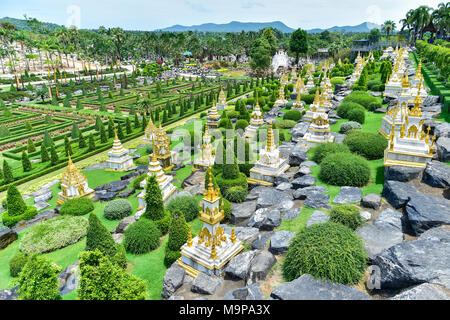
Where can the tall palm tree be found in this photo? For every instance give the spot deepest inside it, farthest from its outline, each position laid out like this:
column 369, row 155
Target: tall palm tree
column 441, row 19
column 388, row 27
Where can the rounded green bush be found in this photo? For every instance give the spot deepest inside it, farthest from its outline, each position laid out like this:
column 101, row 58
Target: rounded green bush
column 373, row 84
column 149, row 148
column 17, row 263
column 241, row 124
column 117, row 209
column 54, row 234
column 347, row 215
column 187, row 205
column 170, row 256
column 307, row 98
column 163, row 224
column 227, row 209
column 293, row 115
column 141, row 237
column 327, row 251
column 345, row 107
column 224, row 184
column 349, row 125
column 369, row 145
column 357, row 115
column 324, row 149
column 236, row 194
column 10, row 221
column 361, row 97
column 137, row 181
column 344, row 169
column 286, row 124
column 77, row 207
column 374, row 106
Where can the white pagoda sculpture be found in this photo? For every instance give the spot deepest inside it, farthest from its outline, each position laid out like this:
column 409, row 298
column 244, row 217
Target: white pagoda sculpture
column 222, row 102
column 310, row 84
column 319, row 130
column 211, row 249
column 118, row 157
column 164, row 182
column 270, row 164
column 73, row 184
column 149, row 133
column 411, row 146
column 213, row 118
column 317, row 106
column 281, row 99
column 161, row 148
column 299, row 104
column 207, row 156
column 256, row 121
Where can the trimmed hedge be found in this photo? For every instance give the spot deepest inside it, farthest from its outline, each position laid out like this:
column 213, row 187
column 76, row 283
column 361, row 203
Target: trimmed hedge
column 328, row 251
column 293, row 115
column 141, row 237
column 236, row 194
column 17, row 263
column 346, row 215
column 187, row 205
column 117, row 209
column 344, row 109
column 225, row 184
column 344, row 169
column 357, row 115
column 350, row 125
column 361, row 97
column 324, row 149
column 77, row 207
column 369, row 145
column 11, row 221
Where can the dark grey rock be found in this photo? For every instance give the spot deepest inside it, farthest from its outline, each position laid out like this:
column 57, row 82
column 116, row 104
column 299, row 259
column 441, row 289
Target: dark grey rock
column 68, row 280
column 317, row 201
column 239, row 266
column 246, row 234
column 430, row 100
column 9, row 294
column 438, row 234
column 423, row 291
column 299, row 130
column 173, row 279
column 398, row 193
column 380, row 110
column 302, row 171
column 298, row 155
column 269, row 196
column 303, row 182
column 437, row 175
column 348, row 195
column 283, row 178
column 261, row 242
column 414, row 262
column 385, row 232
column 176, row 298
column 43, row 216
column 317, row 217
column 41, row 205
column 129, row 176
column 309, row 164
column 124, row 224
column 265, row 219
column 242, row 211
column 285, row 205
column 7, row 237
column 279, row 242
column 285, row 186
column 106, row 196
column 291, row 214
column 127, row 193
column 260, row 267
column 442, row 130
column 372, row 201
column 303, row 193
column 252, row 292
column 443, row 149
column 401, row 173
column 427, row 211
column 308, row 288
column 205, row 284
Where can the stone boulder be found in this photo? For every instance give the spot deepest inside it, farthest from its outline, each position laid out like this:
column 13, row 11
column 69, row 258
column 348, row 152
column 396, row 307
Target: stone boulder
column 385, row 232
column 303, row 182
column 302, row 171
column 430, row 100
column 124, row 224
column 443, row 149
column 299, row 130
column 44, row 196
column 239, row 266
column 401, row 173
column 303, row 193
column 398, row 193
column 246, row 234
column 265, row 219
column 438, row 234
column 173, row 280
column 261, row 241
column 298, row 155
column 127, row 193
column 43, row 216
column 7, row 237
column 348, row 195
column 427, row 211
column 195, row 183
column 242, row 211
column 309, row 164
column 317, row 217
column 411, row 263
column 308, row 288
column 442, row 130
column 437, row 175
column 291, row 214
column 279, row 242
column 9, row 294
column 261, row 264
column 205, row 284
column 423, row 291
column 372, row 201
column 284, row 186
column 269, row 196
column 68, row 280
column 252, row 292
column 317, row 201
column 282, row 178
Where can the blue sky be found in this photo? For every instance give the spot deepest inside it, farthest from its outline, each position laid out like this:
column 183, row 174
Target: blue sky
column 152, row 14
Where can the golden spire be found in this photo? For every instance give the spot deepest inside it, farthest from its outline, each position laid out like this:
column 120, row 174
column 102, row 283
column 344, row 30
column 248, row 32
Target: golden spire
column 189, row 242
column 270, row 139
column 233, row 235
column 405, row 82
column 154, row 158
column 210, row 194
column 415, row 111
column 316, row 98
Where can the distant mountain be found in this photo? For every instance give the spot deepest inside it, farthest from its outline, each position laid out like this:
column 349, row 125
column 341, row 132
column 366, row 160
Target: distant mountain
column 363, row 27
column 21, row 24
column 233, row 26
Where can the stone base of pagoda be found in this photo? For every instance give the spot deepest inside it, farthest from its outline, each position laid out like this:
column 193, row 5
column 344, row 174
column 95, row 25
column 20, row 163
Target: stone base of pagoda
column 220, row 106
column 280, row 102
column 265, row 175
column 395, row 158
column 62, row 198
column 167, row 195
column 250, row 131
column 202, row 165
column 314, row 140
column 198, row 257
column 119, row 165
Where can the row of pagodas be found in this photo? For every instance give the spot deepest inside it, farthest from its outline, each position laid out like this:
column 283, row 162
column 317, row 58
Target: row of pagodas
column 391, row 53
column 161, row 144
column 282, row 99
column 398, row 83
column 360, row 63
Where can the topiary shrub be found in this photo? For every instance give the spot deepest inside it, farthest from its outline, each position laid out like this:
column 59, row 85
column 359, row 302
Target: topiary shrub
column 11, row 221
column 170, row 256
column 98, row 237
column 293, row 115
column 307, row 98
column 17, row 263
column 225, row 184
column 344, row 169
column 117, row 209
column 328, row 251
column 357, row 115
column 137, row 181
column 141, row 237
column 163, row 224
column 346, row 106
column 53, row 234
column 226, row 209
column 120, row 258
column 347, row 215
column 374, row 106
column 187, row 205
column 369, row 145
column 77, row 207
column 324, row 149
column 349, row 125
column 286, row 124
column 373, row 85
column 141, row 161
column 361, row 97
column 241, row 124
column 236, row 194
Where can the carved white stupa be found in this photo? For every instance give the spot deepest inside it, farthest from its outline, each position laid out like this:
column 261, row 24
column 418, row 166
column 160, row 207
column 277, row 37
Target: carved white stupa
column 118, row 157
column 281, row 99
column 256, row 121
column 161, row 147
column 149, row 133
column 319, row 130
column 212, row 248
column 164, row 182
column 213, row 118
column 73, row 184
column 222, row 102
column 270, row 164
column 299, row 104
column 207, row 156
column 417, row 83
column 411, row 146
column 317, row 106
column 310, row 84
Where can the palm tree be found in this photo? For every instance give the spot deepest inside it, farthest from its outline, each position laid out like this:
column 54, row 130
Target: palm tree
column 441, row 19
column 388, row 27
